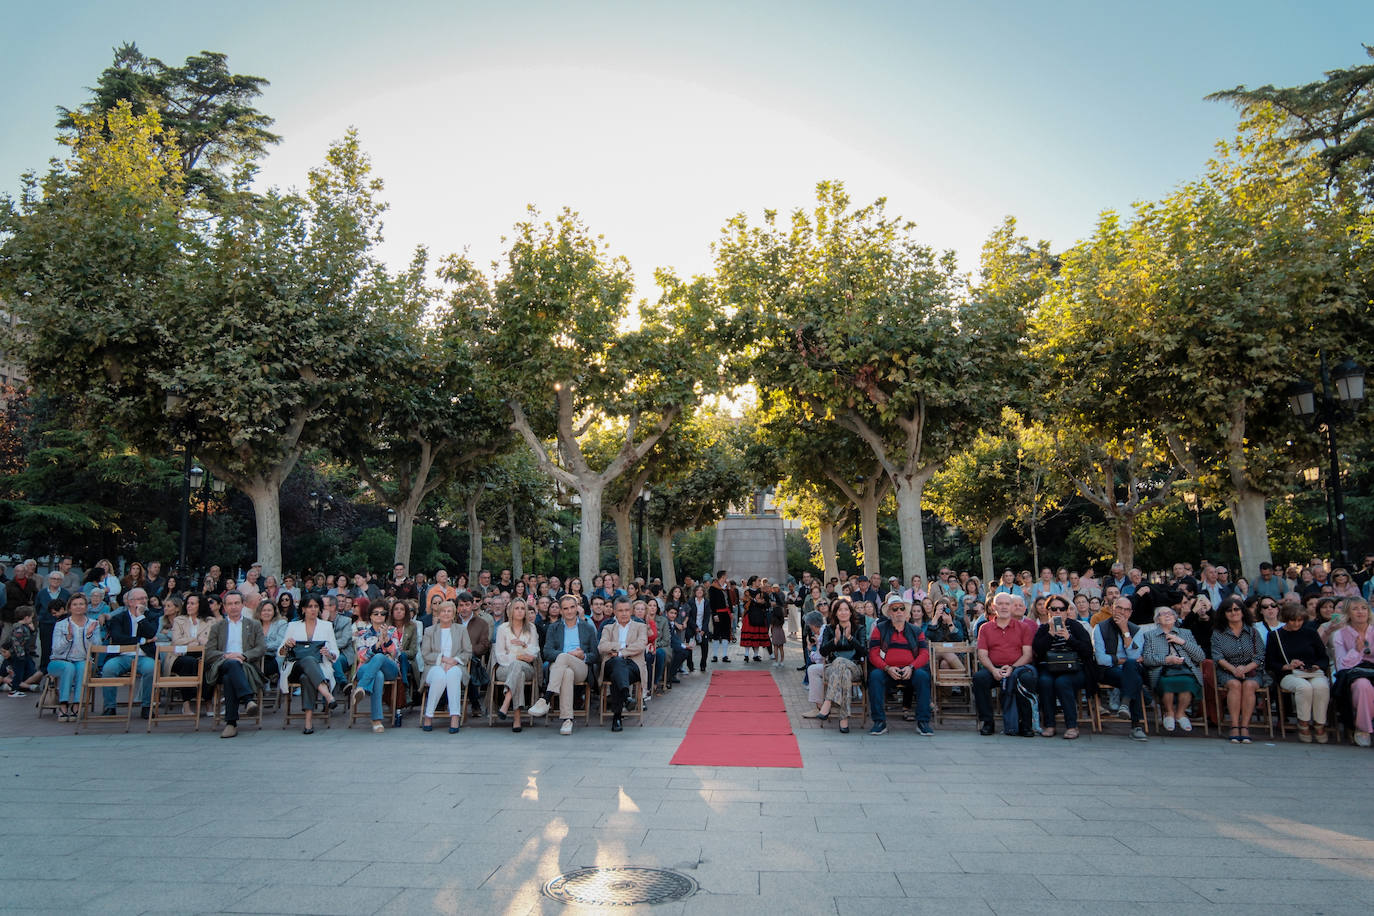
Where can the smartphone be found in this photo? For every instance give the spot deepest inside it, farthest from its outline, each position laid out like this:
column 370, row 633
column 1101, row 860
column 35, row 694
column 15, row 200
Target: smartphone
column 1057, row 622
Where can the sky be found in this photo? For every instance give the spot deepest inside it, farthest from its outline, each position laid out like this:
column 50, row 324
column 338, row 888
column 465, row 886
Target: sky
column 658, row 121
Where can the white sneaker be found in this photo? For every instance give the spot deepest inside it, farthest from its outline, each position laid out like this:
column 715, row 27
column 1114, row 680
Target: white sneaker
column 566, row 728
column 1168, row 723
column 1185, row 724
column 1362, row 739
column 540, row 708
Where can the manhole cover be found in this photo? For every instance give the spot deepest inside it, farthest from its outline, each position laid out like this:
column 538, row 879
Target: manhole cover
column 620, row 886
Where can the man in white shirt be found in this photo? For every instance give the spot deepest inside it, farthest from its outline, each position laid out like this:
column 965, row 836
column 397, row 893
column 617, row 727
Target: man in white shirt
column 623, row 643
column 233, row 659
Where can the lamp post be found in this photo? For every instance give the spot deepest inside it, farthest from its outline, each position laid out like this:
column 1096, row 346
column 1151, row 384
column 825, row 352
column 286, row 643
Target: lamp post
column 640, row 562
column 176, row 409
column 320, row 502
column 217, row 486
column 1342, row 391
column 390, row 516
column 1191, row 500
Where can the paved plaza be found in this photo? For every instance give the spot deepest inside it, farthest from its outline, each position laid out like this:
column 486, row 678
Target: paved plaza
column 345, row 822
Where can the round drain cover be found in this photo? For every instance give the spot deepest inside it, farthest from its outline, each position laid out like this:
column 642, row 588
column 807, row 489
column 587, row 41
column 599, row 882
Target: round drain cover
column 628, row 886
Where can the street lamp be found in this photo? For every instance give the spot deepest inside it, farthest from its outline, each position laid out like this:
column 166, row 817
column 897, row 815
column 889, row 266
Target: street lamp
column 1192, row 502
column 1341, row 393
column 390, row 516
column 175, row 403
column 640, row 560
column 207, row 484
column 320, row 502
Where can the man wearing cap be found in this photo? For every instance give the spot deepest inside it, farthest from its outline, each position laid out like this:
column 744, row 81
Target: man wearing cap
column 868, row 590
column 898, row 656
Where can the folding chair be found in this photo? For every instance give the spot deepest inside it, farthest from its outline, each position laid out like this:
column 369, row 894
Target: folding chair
column 391, row 695
column 636, row 699
column 1263, row 701
column 217, row 703
column 860, row 705
column 944, row 681
column 96, row 657
column 496, row 693
column 164, row 658
column 290, row 716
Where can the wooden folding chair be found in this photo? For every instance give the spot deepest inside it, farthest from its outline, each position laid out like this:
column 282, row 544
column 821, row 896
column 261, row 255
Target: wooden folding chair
column 96, row 657
column 636, row 708
column 217, row 703
column 391, row 696
column 944, row 681
column 164, row 658
column 496, row 693
column 290, row 716
column 860, row 705
column 1263, row 701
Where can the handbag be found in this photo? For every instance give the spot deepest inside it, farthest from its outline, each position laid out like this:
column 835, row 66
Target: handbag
column 1066, row 662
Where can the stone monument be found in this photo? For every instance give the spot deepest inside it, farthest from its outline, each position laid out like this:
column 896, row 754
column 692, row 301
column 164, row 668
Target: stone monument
column 752, row 543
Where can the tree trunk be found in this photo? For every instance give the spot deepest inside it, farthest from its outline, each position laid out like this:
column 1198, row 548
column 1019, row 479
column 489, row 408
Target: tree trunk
column 1252, row 531
column 474, row 540
column 589, row 544
column 909, row 491
column 985, row 547
column 1035, row 541
column 1125, row 540
column 265, row 492
column 665, row 560
column 868, row 529
column 830, row 563
column 517, row 556
column 624, row 541
column 405, row 528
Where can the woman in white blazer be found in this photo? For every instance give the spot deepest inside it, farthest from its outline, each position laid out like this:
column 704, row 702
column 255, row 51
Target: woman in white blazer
column 447, row 652
column 316, row 677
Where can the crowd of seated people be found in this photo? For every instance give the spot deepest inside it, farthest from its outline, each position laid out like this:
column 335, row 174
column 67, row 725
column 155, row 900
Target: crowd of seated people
column 1034, row 645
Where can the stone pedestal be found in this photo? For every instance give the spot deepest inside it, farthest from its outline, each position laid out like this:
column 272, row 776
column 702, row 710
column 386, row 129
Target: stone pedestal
column 751, row 545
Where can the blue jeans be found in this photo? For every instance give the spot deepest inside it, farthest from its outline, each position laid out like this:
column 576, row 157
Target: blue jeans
column 877, row 693
column 1063, row 687
column 70, row 676
column 118, row 667
column 372, row 677
column 656, row 660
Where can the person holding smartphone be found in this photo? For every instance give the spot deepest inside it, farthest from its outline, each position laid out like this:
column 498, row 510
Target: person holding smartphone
column 1064, row 662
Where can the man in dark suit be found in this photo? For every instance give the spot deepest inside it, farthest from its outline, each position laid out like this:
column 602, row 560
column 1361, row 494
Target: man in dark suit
column 233, row 659
column 132, row 626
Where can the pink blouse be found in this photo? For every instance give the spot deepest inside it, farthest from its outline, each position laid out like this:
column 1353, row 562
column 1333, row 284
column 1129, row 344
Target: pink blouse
column 1349, row 650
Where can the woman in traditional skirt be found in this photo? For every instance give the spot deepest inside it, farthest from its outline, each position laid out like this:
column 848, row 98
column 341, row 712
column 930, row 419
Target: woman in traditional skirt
column 753, row 631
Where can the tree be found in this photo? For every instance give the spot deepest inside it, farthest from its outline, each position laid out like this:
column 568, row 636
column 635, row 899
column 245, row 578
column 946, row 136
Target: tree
column 825, row 453
column 435, row 411
column 864, row 326
column 204, row 108
column 1180, row 326
column 129, row 297
column 1336, row 114
column 976, row 491
column 557, row 327
column 697, row 488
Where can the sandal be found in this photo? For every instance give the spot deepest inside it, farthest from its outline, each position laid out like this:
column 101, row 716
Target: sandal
column 1321, row 734
column 1245, row 736
column 1070, row 734
column 908, row 717
column 1304, row 733
column 1047, row 733
column 1235, row 736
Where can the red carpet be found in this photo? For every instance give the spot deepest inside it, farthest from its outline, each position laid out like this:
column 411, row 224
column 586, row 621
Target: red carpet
column 742, row 722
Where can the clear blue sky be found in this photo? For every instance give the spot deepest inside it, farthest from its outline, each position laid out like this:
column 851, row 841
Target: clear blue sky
column 658, row 121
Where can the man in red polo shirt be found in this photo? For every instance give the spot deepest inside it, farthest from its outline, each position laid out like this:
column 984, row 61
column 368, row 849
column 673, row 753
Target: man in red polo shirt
column 1004, row 654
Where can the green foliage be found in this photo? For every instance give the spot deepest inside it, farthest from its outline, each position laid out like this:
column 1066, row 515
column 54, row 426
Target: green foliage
column 1294, row 534
column 207, row 110
column 371, row 550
